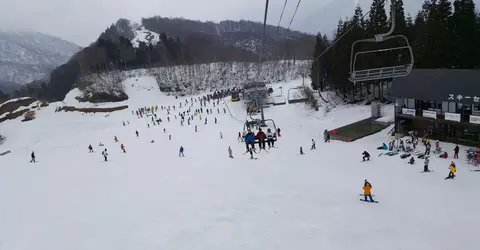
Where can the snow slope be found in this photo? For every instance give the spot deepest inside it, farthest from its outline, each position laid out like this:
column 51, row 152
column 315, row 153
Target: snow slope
column 149, row 198
column 144, row 35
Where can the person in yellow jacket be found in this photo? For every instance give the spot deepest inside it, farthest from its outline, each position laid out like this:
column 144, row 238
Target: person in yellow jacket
column 453, row 170
column 367, row 187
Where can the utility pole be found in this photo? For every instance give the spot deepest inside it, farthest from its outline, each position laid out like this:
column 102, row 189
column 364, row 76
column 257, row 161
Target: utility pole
column 260, row 60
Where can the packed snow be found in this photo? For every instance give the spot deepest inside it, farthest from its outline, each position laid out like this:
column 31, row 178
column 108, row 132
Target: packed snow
column 150, row 198
column 144, row 35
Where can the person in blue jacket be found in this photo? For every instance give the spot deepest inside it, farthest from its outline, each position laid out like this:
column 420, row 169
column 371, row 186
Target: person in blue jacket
column 249, row 139
column 181, row 152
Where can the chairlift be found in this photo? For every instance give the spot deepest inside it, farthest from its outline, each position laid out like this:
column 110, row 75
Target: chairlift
column 384, row 72
column 292, row 99
column 256, row 124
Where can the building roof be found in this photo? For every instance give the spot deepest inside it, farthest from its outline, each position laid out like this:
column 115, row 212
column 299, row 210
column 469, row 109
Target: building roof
column 439, row 85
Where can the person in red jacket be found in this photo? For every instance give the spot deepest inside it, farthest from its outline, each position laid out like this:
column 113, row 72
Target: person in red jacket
column 136, row 132
column 261, row 139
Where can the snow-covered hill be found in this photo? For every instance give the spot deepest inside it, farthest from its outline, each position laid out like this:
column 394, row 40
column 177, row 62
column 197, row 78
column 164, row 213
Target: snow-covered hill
column 150, row 198
column 29, row 56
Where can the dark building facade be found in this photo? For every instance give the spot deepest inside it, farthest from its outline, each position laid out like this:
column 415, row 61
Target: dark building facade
column 441, row 103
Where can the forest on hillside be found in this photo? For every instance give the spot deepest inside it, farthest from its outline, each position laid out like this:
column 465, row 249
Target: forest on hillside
column 443, row 35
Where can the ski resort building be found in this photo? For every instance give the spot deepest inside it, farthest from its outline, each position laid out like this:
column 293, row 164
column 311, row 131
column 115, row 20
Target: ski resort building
column 441, row 103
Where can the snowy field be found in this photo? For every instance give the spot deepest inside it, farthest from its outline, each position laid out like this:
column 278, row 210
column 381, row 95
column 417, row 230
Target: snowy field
column 149, row 198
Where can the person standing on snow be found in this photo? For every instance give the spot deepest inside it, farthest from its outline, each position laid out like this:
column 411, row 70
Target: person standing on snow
column 215, row 120
column 301, row 150
column 455, row 152
column 366, row 156
column 195, row 128
column 105, row 154
column 221, row 135
column 115, row 138
column 278, row 132
column 313, row 145
column 230, row 153
column 90, row 148
column 136, row 132
column 367, row 187
column 123, row 148
column 180, row 153
column 425, row 164
column 32, row 155
column 169, row 137
column 427, row 148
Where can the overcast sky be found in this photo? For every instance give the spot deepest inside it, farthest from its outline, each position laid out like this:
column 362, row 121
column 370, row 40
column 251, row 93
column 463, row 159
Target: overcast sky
column 81, row 21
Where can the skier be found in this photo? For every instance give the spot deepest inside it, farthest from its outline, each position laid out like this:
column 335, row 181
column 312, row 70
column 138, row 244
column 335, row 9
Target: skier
column 367, row 187
column 124, row 124
column 251, row 150
column 90, row 148
column 366, row 156
column 195, row 128
column 32, row 155
column 278, row 132
column 313, row 145
column 215, row 120
column 123, row 148
column 105, row 154
column 425, row 164
column 261, row 139
column 136, row 132
column 455, row 151
column 453, row 169
column 411, row 161
column 205, row 120
column 230, row 153
column 169, row 137
column 301, row 150
column 180, row 153
column 221, row 135
column 270, row 138
column 115, row 138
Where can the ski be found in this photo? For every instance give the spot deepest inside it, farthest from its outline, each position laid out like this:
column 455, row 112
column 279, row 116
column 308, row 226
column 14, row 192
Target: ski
column 368, row 201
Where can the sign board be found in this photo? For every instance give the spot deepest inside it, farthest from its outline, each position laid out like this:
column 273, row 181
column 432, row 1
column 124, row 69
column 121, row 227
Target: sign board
column 475, row 119
column 408, row 112
column 430, row 114
column 452, row 117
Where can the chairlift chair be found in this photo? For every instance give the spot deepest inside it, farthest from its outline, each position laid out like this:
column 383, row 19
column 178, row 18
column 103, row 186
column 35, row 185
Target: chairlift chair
column 384, row 72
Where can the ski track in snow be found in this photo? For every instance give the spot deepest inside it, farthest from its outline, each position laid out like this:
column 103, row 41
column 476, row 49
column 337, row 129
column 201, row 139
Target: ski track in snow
column 149, row 198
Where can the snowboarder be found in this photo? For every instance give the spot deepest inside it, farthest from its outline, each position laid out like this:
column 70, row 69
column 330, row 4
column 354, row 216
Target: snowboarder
column 230, row 153
column 367, row 187
column 90, row 148
column 366, row 156
column 136, row 132
column 105, row 154
column 180, row 153
column 427, row 148
column 453, row 169
column 425, row 164
column 32, row 155
column 123, row 148
column 313, row 145
column 221, row 135
column 301, row 150
column 455, row 152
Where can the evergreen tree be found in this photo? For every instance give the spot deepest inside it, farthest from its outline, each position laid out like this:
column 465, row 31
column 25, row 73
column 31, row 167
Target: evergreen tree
column 377, row 21
column 464, row 22
column 319, row 69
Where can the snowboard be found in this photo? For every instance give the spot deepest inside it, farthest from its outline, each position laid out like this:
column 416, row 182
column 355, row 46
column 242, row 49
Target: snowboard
column 475, row 170
column 427, row 172
column 368, row 201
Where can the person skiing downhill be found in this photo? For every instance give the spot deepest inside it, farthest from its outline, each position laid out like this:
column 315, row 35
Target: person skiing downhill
column 230, row 153
column 367, row 187
column 90, row 148
column 105, row 154
column 136, row 132
column 123, row 148
column 32, row 155
column 221, row 135
column 115, row 138
column 180, row 153
column 313, row 145
column 366, row 156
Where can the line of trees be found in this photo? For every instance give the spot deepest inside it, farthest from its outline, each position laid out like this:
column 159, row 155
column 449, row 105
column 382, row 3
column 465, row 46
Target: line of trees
column 443, row 34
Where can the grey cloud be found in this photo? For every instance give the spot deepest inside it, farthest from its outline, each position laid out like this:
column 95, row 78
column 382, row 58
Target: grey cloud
column 81, row 21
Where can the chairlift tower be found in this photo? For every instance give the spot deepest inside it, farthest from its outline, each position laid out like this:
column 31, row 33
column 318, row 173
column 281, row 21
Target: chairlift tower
column 260, row 60
column 384, row 72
